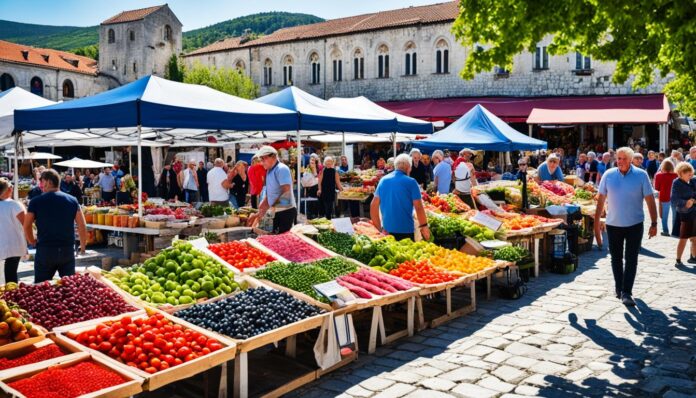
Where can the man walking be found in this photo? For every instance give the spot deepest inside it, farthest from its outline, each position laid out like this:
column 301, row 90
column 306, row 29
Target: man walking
column 625, row 187
column 55, row 214
column 442, row 173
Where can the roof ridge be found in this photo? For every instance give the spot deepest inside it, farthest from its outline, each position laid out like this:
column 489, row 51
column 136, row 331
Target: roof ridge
column 116, row 18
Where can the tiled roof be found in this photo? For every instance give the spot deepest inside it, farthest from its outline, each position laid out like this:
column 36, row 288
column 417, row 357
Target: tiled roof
column 46, row 58
column 434, row 13
column 132, row 15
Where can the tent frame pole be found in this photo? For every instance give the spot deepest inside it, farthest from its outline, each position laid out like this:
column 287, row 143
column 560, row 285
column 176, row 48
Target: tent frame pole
column 140, row 173
column 393, row 137
column 343, row 146
column 15, row 177
column 299, row 168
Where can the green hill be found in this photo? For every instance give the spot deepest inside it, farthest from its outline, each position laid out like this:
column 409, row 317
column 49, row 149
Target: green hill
column 81, row 39
column 260, row 24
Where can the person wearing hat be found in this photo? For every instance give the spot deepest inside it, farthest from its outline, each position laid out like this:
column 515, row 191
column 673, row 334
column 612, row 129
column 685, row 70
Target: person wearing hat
column 279, row 199
column 522, row 176
column 464, row 177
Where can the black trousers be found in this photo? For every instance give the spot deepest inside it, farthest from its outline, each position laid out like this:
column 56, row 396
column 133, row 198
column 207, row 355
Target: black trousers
column 399, row 236
column 254, row 201
column 624, row 245
column 11, row 265
column 284, row 220
column 328, row 205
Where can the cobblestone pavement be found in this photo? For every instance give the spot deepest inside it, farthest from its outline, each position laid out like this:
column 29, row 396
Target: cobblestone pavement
column 568, row 336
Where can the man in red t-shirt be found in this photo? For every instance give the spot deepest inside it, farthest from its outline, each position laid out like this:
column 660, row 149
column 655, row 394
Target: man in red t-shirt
column 256, row 174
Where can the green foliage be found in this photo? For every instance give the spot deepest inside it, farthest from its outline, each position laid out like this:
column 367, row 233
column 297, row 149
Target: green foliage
column 227, row 80
column 260, row 24
column 642, row 36
column 88, row 51
column 66, row 38
column 175, row 69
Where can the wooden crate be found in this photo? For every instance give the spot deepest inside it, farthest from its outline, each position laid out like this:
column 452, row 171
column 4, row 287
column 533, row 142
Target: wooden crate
column 201, row 244
column 70, row 352
column 132, row 387
column 164, row 377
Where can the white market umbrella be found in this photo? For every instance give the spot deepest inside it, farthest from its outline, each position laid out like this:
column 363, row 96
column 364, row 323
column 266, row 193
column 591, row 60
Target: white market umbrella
column 77, row 163
column 40, row 156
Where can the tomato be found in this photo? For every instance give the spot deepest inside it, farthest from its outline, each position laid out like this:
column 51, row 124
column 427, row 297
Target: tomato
column 155, row 363
column 148, row 346
column 183, row 352
column 105, row 346
column 125, row 321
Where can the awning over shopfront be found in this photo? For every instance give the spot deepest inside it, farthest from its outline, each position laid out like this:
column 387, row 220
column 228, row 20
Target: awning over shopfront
column 630, row 113
column 517, row 110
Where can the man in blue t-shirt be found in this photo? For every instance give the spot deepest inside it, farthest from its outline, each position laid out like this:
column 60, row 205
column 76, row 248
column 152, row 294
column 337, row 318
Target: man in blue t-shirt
column 55, row 214
column 550, row 170
column 396, row 197
column 279, row 193
column 442, row 173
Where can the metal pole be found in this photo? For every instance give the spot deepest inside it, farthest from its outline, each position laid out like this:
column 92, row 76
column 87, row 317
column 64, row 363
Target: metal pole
column 343, row 147
column 140, row 174
column 393, row 137
column 16, row 166
column 130, row 159
column 299, row 168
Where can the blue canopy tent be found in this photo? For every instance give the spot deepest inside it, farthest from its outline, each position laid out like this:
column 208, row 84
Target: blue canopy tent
column 319, row 115
column 479, row 129
column 158, row 103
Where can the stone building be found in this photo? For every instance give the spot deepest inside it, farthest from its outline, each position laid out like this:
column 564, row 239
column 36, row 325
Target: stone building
column 132, row 44
column 140, row 42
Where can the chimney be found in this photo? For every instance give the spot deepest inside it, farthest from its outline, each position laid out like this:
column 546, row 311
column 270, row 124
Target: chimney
column 45, row 57
column 246, row 36
column 25, row 55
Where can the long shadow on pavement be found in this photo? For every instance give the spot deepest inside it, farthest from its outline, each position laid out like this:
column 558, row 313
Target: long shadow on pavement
column 659, row 363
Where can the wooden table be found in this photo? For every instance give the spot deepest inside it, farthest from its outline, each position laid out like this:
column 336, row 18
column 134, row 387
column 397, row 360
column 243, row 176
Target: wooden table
column 361, row 201
column 148, row 233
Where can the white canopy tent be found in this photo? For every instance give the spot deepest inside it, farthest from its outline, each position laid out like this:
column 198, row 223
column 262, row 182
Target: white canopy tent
column 77, row 163
column 16, row 98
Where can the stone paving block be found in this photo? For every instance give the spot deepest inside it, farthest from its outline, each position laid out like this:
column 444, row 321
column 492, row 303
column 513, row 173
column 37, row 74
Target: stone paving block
column 548, row 368
column 376, row 383
column 527, row 390
column 422, row 393
column 427, row 371
column 465, row 374
column 494, row 383
column 437, row 383
column 481, row 365
column 658, row 384
column 497, row 343
column 521, row 362
column 335, row 385
column 357, row 391
column 509, row 374
column 676, row 394
column 396, row 391
column 521, row 349
column 404, row 377
column 557, row 348
column 589, row 353
column 442, row 365
column 538, row 380
column 479, row 351
column 579, row 374
column 468, row 390
column 412, row 346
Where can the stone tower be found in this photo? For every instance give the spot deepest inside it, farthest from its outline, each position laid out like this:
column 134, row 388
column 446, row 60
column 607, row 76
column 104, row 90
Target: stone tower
column 139, row 42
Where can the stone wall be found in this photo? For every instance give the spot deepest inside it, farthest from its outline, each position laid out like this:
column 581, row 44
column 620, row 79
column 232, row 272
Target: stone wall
column 127, row 60
column 53, row 80
column 559, row 79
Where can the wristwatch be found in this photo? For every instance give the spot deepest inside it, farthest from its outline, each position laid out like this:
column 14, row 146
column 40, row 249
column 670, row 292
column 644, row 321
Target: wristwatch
column 653, row 224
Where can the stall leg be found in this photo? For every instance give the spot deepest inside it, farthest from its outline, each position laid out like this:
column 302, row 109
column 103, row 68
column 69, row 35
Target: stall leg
column 410, row 308
column 241, row 376
column 223, row 388
column 421, row 315
column 374, row 329
column 291, row 346
column 472, row 286
column 488, row 286
column 536, row 257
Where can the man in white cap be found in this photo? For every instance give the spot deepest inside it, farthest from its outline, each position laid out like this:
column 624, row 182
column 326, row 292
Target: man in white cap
column 279, row 198
column 464, row 177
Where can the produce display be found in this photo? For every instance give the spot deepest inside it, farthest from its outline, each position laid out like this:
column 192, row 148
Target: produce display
column 72, row 381
column 166, row 213
column 456, row 261
column 72, row 299
column 177, row 275
column 292, row 247
column 302, row 277
column 40, row 354
column 550, row 192
column 443, row 226
column 366, row 283
column 514, row 221
column 445, row 203
column 13, row 324
column 249, row 313
column 241, row 255
column 367, row 229
column 211, row 210
column 151, row 343
column 321, row 223
column 338, row 242
column 582, row 194
column 511, row 253
column 357, row 192
column 421, row 272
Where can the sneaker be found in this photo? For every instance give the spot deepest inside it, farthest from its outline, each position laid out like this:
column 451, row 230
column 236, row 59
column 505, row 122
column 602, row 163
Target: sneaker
column 678, row 263
column 627, row 300
column 665, row 234
column 691, row 260
column 618, row 295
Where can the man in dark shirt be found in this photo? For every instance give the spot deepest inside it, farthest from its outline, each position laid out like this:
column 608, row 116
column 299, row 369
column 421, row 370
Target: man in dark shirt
column 522, row 176
column 202, row 174
column 55, row 214
column 68, row 186
column 419, row 171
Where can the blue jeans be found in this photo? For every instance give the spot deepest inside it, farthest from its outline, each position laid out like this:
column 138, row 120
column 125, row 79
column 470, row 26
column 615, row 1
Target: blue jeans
column 48, row 260
column 233, row 202
column 665, row 207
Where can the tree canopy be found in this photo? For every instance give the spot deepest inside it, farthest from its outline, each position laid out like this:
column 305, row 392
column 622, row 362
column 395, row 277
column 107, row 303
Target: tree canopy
column 228, row 80
column 646, row 38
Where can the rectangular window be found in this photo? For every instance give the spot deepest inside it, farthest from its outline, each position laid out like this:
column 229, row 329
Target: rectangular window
column 408, row 64
column 445, row 61
column 337, row 70
column 340, row 71
column 362, row 68
column 588, row 63
column 386, row 65
column 541, row 58
column 380, row 66
column 414, row 67
column 438, row 61
column 355, row 69
column 545, row 58
column 290, row 74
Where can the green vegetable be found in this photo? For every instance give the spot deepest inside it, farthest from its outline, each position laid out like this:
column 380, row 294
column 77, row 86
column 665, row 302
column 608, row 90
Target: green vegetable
column 339, row 242
column 511, row 253
column 583, row 194
column 210, row 210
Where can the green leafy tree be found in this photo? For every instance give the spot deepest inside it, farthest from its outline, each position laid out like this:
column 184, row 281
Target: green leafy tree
column 646, row 38
column 175, row 69
column 88, row 51
column 227, row 80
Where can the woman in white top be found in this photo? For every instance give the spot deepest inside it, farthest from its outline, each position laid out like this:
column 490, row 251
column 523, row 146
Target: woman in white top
column 310, row 183
column 189, row 182
column 12, row 245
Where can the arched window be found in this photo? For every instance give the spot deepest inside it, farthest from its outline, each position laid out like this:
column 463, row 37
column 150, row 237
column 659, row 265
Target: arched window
column 287, row 71
column 383, row 62
column 131, row 35
column 68, row 89
column 316, row 68
column 239, row 65
column 337, row 64
column 358, row 64
column 167, row 33
column 441, row 57
column 6, row 82
column 268, row 72
column 37, row 86
column 112, row 36
column 410, row 61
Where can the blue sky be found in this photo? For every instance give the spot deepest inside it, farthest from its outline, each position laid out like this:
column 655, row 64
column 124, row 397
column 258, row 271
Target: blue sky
column 192, row 13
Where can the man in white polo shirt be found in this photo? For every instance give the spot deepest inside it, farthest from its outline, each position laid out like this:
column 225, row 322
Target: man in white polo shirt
column 216, row 192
